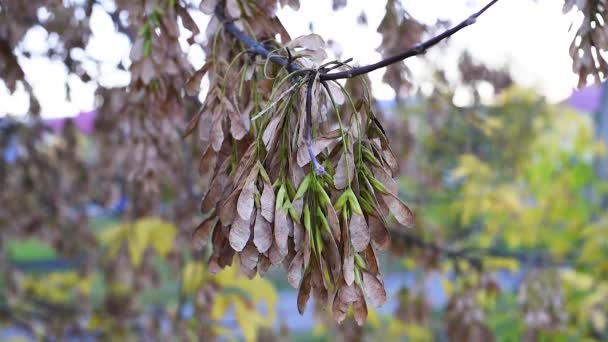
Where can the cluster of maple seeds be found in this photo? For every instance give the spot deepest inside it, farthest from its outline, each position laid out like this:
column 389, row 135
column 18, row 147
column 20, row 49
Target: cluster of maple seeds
column 300, row 173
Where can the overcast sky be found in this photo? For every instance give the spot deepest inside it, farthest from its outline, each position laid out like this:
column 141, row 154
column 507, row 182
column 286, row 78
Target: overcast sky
column 529, row 37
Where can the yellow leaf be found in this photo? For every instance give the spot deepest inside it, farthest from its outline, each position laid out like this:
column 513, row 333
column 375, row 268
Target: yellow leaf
column 470, row 166
column 319, row 330
column 219, row 330
column 418, row 333
column 447, row 286
column 258, row 289
column 396, row 328
column 193, row 276
column 501, row 263
column 578, row 280
column 409, row 263
column 262, row 290
column 136, row 242
column 372, row 318
column 85, row 284
column 161, row 234
column 598, row 318
column 138, row 235
column 96, row 322
column 117, row 288
column 113, row 238
column 220, row 305
column 248, row 319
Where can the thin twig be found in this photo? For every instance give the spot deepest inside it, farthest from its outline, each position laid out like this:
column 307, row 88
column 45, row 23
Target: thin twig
column 418, row 49
column 319, row 169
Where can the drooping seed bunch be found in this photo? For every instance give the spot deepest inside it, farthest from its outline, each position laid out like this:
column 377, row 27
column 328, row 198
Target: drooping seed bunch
column 300, row 173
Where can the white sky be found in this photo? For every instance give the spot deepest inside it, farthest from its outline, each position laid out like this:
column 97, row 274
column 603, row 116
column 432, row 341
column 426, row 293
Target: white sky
column 530, row 37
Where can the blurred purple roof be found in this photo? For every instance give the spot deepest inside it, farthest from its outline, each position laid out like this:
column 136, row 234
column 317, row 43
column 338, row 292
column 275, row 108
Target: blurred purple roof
column 83, row 121
column 586, row 99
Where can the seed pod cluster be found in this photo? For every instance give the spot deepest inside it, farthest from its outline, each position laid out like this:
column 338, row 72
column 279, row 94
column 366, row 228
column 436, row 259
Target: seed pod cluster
column 300, row 175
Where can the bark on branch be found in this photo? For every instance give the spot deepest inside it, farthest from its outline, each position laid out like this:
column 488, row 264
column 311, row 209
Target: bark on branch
column 419, row 49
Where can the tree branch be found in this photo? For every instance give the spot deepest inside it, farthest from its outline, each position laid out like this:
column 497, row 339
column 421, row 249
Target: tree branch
column 416, row 50
column 475, row 257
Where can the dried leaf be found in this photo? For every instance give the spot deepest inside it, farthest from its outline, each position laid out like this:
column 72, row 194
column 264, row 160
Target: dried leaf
column 218, row 240
column 188, row 22
column 148, row 71
column 247, row 197
column 349, row 269
column 226, row 255
column 336, row 93
column 402, row 213
column 264, row 264
column 359, row 233
column 339, row 308
column 310, row 41
column 282, row 226
column 271, row 131
column 228, row 208
column 319, row 291
column 268, row 202
column 205, row 124
column 262, row 233
column 239, row 233
column 238, row 126
column 249, row 273
column 207, row 165
column 374, row 289
column 345, row 171
column 275, row 255
column 208, row 6
column 306, row 248
column 294, row 273
column 233, row 9
column 334, row 222
column 245, row 164
column 304, row 292
column 169, row 24
column 318, row 145
column 296, row 173
column 390, row 160
column 360, row 308
column 137, row 51
column 378, row 232
column 371, row 261
column 217, row 133
column 385, row 178
column 192, row 124
column 344, row 297
column 249, row 257
column 202, row 232
column 216, row 189
column 298, row 205
column 332, row 255
column 193, row 85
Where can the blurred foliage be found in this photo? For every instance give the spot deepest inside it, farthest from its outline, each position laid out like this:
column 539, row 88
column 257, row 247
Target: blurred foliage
column 508, row 188
column 506, row 185
column 511, row 187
